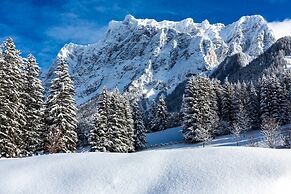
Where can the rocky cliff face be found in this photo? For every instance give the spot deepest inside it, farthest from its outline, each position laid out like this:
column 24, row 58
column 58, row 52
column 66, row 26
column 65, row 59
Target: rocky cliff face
column 145, row 57
column 277, row 57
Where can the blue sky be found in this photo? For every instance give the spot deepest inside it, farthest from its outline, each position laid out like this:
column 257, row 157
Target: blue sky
column 42, row 27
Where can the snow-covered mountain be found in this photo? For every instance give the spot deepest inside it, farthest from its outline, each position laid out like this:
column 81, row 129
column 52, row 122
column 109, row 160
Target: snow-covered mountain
column 147, row 57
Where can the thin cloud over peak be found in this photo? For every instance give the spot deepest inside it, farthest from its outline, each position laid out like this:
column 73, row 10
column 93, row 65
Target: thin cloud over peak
column 281, row 28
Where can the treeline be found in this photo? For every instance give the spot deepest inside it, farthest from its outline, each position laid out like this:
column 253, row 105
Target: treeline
column 211, row 108
column 32, row 124
column 29, row 124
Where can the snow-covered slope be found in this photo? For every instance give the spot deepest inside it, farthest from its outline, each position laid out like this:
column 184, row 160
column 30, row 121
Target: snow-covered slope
column 227, row 170
column 146, row 57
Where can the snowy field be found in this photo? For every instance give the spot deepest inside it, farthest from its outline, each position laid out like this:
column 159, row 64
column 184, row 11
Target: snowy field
column 175, row 167
column 225, row 170
column 173, row 138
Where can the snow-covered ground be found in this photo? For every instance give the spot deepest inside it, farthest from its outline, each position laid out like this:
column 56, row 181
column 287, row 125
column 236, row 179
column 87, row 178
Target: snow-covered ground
column 173, row 138
column 224, row 170
column 175, row 167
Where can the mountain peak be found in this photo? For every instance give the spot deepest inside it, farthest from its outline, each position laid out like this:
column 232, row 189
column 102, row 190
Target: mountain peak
column 146, row 57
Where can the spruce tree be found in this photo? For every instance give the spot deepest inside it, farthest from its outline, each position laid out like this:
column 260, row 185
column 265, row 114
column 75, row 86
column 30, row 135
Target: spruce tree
column 34, row 107
column 60, row 113
column 159, row 115
column 114, row 129
column 265, row 104
column 237, row 104
column 277, row 100
column 11, row 107
column 122, row 123
column 199, row 115
column 227, row 103
column 139, row 126
column 253, row 107
column 101, row 135
column 286, row 84
column 218, row 89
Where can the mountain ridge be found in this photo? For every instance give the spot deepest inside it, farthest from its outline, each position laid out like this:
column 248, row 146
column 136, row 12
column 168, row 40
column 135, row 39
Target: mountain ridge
column 145, row 58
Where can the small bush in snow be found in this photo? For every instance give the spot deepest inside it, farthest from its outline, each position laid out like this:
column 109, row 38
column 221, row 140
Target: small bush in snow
column 269, row 129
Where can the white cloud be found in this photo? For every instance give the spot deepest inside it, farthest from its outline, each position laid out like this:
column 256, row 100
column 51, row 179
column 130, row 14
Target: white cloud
column 282, row 28
column 83, row 34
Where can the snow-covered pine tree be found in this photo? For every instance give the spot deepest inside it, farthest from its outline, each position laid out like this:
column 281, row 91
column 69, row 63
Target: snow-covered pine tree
column 11, row 107
column 159, row 115
column 150, row 116
column 101, row 135
column 214, row 103
column 198, row 110
column 241, row 123
column 226, row 103
column 189, row 109
column 284, row 81
column 253, row 107
column 34, row 107
column 113, row 128
column 278, row 103
column 237, row 104
column 244, row 94
column 61, row 113
column 218, row 95
column 129, row 124
column 120, row 117
column 139, row 126
column 265, row 104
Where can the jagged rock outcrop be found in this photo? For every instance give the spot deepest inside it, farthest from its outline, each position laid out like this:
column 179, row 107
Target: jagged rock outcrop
column 276, row 57
column 146, row 57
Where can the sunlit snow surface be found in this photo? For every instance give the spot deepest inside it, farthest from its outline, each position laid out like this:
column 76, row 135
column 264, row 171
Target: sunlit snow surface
column 288, row 60
column 178, row 168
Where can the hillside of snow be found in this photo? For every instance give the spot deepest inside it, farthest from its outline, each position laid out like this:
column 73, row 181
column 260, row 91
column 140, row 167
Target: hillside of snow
column 224, row 170
column 146, row 57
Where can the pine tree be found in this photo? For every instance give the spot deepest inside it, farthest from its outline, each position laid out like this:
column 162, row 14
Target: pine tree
column 122, row 123
column 11, row 107
column 285, row 83
column 34, row 107
column 61, row 113
column 237, row 104
column 218, row 89
column 159, row 115
column 139, row 126
column 253, row 107
column 277, row 100
column 273, row 99
column 241, row 123
column 199, row 115
column 265, row 105
column 227, row 103
column 101, row 135
column 244, row 94
column 113, row 131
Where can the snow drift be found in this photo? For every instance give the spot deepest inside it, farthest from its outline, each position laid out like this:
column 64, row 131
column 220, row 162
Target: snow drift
column 185, row 170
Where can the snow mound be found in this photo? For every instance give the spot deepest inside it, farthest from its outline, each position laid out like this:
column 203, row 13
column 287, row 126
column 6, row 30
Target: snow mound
column 226, row 170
